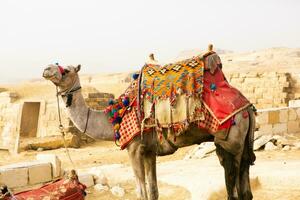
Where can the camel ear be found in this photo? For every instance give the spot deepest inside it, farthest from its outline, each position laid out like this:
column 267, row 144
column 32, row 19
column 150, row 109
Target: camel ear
column 77, row 69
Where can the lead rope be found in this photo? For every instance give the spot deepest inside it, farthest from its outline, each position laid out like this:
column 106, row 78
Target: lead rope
column 61, row 128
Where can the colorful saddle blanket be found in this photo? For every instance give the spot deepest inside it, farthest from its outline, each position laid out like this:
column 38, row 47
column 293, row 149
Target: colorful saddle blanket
column 172, row 93
column 175, row 95
column 166, row 82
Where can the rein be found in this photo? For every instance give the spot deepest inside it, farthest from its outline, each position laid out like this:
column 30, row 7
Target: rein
column 62, row 131
column 69, row 95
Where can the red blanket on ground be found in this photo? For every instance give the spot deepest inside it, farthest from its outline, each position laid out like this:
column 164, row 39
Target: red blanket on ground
column 59, row 190
column 221, row 99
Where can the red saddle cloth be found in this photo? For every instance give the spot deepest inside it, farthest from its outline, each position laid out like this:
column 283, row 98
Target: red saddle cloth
column 221, row 99
column 59, row 190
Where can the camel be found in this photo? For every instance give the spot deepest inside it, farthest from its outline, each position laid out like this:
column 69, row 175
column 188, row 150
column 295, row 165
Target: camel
column 235, row 153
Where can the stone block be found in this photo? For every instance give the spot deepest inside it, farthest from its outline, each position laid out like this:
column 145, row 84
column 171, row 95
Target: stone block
column 294, row 103
column 283, row 115
column 266, row 129
column 13, row 177
column 280, row 128
column 293, row 127
column 292, row 114
column 55, row 162
column 39, row 173
column 262, row 118
column 86, row 179
column 274, row 117
column 298, row 113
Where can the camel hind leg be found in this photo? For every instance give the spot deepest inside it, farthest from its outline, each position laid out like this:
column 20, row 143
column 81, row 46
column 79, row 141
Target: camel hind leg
column 227, row 161
column 230, row 153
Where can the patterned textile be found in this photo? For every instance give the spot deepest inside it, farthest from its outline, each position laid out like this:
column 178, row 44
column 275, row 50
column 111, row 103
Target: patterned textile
column 184, row 77
column 211, row 124
column 129, row 127
column 60, row 190
column 221, row 99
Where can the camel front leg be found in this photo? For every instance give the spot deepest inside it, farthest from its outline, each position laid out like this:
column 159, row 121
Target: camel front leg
column 150, row 165
column 136, row 154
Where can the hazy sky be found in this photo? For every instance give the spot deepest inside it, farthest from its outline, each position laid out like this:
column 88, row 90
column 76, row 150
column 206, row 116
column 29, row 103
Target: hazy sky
column 118, row 35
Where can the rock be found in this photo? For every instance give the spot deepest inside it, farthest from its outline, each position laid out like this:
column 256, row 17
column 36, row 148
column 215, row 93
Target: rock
column 101, row 188
column 264, row 139
column 117, row 191
column 201, row 151
column 55, row 162
column 286, row 148
column 270, row 146
column 86, row 179
column 100, row 177
column 40, row 149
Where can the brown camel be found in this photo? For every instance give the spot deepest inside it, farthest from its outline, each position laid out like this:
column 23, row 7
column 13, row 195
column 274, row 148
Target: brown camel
column 235, row 153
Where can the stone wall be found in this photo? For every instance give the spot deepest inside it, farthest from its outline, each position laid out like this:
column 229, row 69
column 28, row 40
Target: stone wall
column 98, row 101
column 294, row 89
column 9, row 118
column 279, row 121
column 12, row 112
column 265, row 90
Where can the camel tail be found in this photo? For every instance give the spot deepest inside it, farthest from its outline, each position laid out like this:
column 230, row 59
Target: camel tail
column 250, row 135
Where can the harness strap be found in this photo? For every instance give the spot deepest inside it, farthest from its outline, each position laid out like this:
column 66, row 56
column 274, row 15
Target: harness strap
column 61, row 128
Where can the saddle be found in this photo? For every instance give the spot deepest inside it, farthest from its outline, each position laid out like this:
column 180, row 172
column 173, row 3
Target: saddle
column 172, row 93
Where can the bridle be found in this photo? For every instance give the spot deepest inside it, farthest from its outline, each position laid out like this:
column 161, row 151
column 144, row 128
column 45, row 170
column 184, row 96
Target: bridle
column 69, row 94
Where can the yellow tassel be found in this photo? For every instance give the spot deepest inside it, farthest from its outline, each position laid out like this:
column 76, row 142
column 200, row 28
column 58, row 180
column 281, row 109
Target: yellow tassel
column 117, row 126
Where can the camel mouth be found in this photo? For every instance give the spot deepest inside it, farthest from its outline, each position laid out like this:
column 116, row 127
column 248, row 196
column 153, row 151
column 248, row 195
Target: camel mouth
column 46, row 75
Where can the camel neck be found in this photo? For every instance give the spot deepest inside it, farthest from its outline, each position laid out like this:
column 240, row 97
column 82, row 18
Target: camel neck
column 98, row 126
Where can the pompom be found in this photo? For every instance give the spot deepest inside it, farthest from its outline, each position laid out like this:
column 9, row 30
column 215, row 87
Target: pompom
column 111, row 102
column 126, row 101
column 117, row 126
column 119, row 119
column 117, row 136
column 116, row 114
column 135, row 76
column 213, row 86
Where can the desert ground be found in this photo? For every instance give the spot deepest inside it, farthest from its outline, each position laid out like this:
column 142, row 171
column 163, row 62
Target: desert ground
column 275, row 175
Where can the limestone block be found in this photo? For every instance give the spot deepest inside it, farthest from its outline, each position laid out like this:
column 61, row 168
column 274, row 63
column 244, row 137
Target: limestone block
column 54, row 160
column 258, row 95
column 266, row 129
column 86, row 179
column 270, row 74
column 39, row 173
column 283, row 115
column 274, row 117
column 278, row 101
column 270, row 146
column 13, row 177
column 261, row 141
column 280, row 128
column 294, row 103
column 235, row 75
column 262, row 118
column 282, row 79
column 292, row 114
column 293, row 127
column 298, row 113
column 252, row 80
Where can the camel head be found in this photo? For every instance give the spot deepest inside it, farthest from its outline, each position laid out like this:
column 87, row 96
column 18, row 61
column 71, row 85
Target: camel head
column 65, row 78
